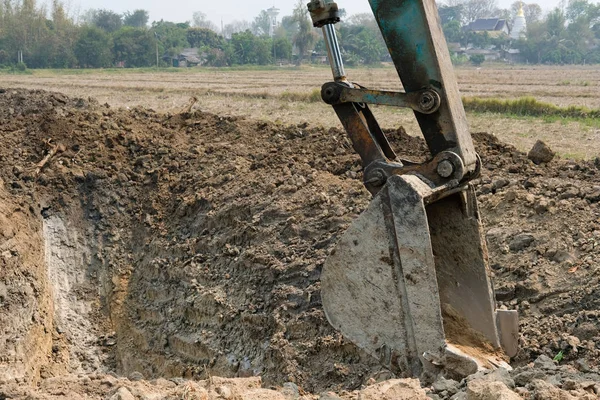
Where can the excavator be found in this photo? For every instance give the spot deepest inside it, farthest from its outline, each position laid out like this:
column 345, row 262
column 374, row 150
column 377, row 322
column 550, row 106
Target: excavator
column 409, row 281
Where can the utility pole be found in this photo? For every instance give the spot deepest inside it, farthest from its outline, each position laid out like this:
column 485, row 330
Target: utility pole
column 156, row 37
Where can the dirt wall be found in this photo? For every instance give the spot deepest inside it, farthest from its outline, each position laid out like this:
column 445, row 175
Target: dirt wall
column 26, row 304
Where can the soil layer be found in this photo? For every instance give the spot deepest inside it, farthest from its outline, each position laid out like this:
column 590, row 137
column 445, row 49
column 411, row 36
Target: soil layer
column 190, row 245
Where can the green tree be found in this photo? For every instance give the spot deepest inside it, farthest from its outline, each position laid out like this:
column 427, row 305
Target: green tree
column 450, row 13
column 477, row 59
column 283, row 48
column 202, row 37
column 216, row 57
column 171, row 37
column 453, row 31
column 370, row 47
column 305, row 37
column 249, row 49
column 137, row 18
column 93, row 48
column 135, row 47
column 555, row 23
column 107, row 20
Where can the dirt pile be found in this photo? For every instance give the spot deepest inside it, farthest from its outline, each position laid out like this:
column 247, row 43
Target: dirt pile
column 189, row 246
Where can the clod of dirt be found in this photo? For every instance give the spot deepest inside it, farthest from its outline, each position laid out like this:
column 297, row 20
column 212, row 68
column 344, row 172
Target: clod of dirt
column 540, row 153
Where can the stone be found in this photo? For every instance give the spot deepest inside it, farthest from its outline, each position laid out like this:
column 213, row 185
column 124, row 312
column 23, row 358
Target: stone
column 108, row 380
column 540, row 153
column 560, row 256
column 541, row 206
column 497, row 375
column 582, row 365
column 544, row 362
column 290, row 391
column 511, row 195
column 521, row 242
column 448, row 385
column 544, row 390
column 570, row 193
column 594, row 196
column 136, row 376
column 395, row 389
column 122, row 394
column 523, row 378
column 480, row 389
column 485, row 189
column 570, row 384
column 500, row 183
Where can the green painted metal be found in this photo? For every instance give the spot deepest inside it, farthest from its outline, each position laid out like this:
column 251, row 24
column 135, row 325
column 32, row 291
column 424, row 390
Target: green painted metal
column 416, row 43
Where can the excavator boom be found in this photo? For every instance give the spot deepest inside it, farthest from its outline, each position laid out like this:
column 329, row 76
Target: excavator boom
column 409, row 281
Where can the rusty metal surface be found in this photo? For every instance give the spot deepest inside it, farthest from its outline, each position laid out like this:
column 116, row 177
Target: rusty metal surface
column 323, row 12
column 367, row 137
column 426, row 101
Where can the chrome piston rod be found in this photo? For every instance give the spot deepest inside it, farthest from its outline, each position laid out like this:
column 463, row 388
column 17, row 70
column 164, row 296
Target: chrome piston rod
column 334, row 53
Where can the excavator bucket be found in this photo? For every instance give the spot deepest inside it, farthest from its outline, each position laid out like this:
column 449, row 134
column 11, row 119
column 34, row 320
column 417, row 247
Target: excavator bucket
column 409, row 283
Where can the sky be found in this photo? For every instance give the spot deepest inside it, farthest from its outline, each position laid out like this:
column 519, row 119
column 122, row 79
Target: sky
column 229, row 10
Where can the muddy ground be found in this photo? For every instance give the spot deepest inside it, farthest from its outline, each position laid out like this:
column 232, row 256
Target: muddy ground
column 144, row 254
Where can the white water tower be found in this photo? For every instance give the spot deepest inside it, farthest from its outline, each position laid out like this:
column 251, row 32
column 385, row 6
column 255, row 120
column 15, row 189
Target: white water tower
column 273, row 13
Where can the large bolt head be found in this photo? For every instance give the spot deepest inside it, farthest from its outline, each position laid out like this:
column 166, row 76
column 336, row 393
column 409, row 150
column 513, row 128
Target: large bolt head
column 429, row 101
column 445, row 169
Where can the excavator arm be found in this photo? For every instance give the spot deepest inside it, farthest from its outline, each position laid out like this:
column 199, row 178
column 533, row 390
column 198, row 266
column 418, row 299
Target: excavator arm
column 409, row 281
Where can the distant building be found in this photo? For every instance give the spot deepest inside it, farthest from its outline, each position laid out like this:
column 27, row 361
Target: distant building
column 493, row 26
column 519, row 29
column 488, row 54
column 187, row 58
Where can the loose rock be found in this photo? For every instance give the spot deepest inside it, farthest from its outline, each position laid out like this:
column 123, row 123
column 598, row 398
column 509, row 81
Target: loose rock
column 540, row 153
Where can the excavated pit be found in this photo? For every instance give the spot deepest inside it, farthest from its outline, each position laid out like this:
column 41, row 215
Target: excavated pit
column 190, row 246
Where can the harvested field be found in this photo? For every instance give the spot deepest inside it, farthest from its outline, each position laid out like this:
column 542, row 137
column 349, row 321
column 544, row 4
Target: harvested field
column 288, row 96
column 151, row 252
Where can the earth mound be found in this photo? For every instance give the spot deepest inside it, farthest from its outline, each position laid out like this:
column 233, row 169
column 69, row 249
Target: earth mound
column 190, row 245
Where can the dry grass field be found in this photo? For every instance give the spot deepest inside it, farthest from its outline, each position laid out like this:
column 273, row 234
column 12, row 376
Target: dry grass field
column 291, row 96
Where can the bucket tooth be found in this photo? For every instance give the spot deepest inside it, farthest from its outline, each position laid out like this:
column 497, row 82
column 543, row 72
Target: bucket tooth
column 408, row 283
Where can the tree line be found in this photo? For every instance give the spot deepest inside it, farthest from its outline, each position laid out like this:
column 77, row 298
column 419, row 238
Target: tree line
column 48, row 37
column 51, row 38
column 569, row 34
